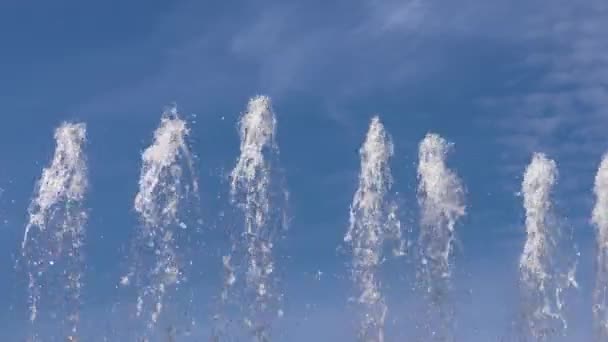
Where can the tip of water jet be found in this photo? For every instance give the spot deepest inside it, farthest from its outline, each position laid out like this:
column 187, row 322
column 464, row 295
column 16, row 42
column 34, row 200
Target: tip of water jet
column 171, row 111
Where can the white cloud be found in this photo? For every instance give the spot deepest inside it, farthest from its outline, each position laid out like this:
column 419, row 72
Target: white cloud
column 391, row 15
column 344, row 50
column 568, row 99
column 335, row 53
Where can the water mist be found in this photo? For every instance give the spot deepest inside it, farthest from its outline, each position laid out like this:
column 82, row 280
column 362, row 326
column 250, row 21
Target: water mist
column 373, row 220
column 258, row 194
column 441, row 200
column 168, row 189
column 54, row 236
column 600, row 220
column 544, row 273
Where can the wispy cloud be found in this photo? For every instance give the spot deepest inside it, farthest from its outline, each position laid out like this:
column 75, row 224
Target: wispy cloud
column 294, row 48
column 343, row 49
column 561, row 106
column 394, row 16
column 553, row 100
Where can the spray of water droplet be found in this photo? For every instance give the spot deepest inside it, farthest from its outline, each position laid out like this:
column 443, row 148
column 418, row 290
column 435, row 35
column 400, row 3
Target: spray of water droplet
column 600, row 220
column 373, row 221
column 168, row 189
column 54, row 236
column 257, row 192
column 441, row 200
column 543, row 274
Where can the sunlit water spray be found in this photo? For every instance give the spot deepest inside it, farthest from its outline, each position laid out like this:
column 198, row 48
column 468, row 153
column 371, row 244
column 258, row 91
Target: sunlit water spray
column 168, row 189
column 600, row 220
column 257, row 191
column 543, row 273
column 441, row 200
column 373, row 221
column 54, row 236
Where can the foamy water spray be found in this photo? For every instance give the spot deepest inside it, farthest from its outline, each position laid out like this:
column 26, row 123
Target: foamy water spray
column 167, row 186
column 441, row 200
column 600, row 220
column 373, row 221
column 254, row 190
column 54, row 236
column 544, row 276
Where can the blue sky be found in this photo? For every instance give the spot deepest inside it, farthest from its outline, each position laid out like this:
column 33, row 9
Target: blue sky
column 499, row 79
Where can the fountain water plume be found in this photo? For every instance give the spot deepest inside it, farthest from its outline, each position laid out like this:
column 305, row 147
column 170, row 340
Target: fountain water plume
column 600, row 220
column 54, row 236
column 441, row 200
column 168, row 190
column 255, row 191
column 543, row 275
column 373, row 221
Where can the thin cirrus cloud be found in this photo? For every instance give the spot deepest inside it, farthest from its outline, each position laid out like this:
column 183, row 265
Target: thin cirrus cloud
column 542, row 88
column 337, row 50
column 560, row 106
column 551, row 98
column 567, row 51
